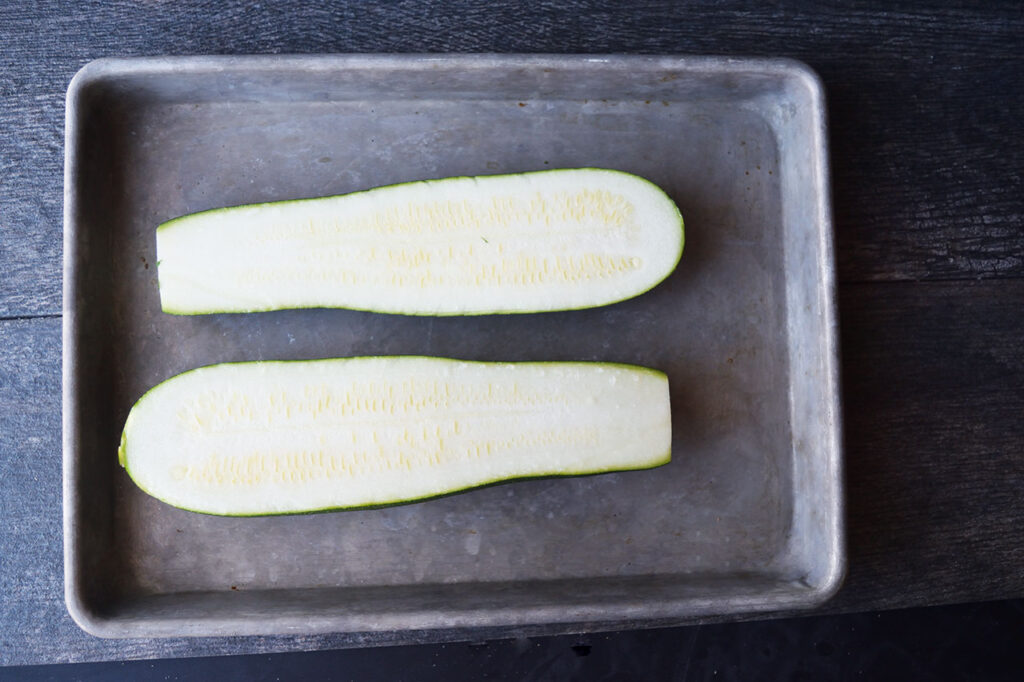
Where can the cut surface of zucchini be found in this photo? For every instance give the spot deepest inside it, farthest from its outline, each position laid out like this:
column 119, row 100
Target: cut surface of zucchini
column 530, row 242
column 262, row 438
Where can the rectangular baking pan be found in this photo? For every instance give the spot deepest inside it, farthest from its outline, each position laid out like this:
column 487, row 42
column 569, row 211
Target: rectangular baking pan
column 746, row 518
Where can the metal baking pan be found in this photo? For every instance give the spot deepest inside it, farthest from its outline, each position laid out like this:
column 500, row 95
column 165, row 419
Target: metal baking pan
column 746, row 518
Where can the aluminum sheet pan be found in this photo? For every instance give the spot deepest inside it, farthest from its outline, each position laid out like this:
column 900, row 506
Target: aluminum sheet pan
column 746, row 518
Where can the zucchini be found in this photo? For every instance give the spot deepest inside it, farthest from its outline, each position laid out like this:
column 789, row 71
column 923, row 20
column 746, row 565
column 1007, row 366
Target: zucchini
column 260, row 438
column 531, row 242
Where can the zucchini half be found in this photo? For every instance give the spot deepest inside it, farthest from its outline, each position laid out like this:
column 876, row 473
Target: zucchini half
column 531, row 242
column 260, row 438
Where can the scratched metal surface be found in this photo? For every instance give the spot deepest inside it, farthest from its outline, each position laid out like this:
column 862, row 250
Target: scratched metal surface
column 747, row 516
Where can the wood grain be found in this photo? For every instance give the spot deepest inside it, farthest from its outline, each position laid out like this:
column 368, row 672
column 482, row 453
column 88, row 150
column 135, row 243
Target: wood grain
column 934, row 407
column 31, row 568
column 934, row 400
column 927, row 140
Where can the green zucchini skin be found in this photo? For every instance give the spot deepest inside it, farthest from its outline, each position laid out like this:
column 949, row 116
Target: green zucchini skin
column 198, row 274
column 132, row 450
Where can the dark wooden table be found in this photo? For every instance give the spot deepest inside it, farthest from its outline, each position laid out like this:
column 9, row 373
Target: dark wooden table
column 925, row 110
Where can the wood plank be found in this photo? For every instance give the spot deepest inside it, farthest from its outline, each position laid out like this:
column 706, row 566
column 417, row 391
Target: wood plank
column 31, row 569
column 927, row 140
column 934, row 408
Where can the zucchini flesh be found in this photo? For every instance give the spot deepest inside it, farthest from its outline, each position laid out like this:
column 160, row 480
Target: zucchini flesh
column 263, row 438
column 531, row 242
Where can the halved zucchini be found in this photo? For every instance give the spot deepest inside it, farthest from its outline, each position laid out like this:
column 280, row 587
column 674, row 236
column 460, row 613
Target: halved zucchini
column 549, row 240
column 263, row 438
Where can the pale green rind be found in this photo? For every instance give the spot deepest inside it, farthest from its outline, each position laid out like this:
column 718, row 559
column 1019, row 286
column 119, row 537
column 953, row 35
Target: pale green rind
column 654, row 462
column 398, row 311
column 123, row 447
